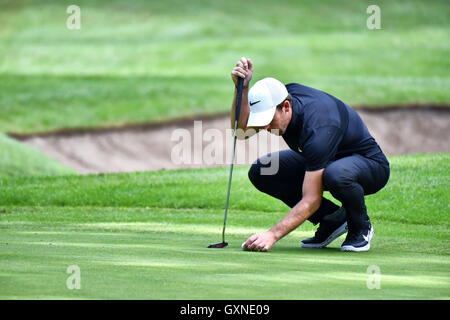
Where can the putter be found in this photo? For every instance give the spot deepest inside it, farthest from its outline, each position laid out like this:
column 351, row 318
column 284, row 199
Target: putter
column 223, row 244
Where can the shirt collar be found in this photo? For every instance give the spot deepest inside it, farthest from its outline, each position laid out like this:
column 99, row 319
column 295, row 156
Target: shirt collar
column 297, row 119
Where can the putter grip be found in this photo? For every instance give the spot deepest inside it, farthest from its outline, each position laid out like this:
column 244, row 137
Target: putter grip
column 240, row 88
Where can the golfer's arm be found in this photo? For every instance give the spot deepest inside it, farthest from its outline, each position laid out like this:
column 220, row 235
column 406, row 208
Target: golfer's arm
column 311, row 199
column 245, row 110
column 243, row 117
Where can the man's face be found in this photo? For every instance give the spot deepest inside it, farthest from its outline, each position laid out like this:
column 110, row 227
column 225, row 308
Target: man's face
column 280, row 120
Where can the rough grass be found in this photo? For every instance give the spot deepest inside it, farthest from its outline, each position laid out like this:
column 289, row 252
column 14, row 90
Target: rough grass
column 144, row 235
column 20, row 160
column 139, row 61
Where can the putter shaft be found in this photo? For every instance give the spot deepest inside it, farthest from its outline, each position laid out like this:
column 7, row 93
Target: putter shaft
column 240, row 87
column 229, row 182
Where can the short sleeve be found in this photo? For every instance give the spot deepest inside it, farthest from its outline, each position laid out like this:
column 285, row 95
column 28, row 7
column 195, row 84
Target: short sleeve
column 321, row 147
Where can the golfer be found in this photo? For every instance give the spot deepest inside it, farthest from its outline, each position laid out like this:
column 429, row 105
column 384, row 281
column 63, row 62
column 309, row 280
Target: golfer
column 330, row 149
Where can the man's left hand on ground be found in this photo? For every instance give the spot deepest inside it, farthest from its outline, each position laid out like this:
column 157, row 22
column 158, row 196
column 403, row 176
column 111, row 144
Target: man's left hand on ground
column 260, row 242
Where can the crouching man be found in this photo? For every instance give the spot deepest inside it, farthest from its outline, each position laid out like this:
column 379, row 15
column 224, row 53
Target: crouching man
column 331, row 149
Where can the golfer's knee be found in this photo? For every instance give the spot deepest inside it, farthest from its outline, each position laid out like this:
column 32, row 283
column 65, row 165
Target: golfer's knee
column 254, row 174
column 260, row 181
column 336, row 177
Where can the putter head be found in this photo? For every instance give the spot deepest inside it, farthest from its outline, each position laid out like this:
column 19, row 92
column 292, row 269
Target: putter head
column 218, row 245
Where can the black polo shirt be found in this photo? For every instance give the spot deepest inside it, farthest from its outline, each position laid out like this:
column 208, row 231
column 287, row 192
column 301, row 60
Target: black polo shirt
column 320, row 133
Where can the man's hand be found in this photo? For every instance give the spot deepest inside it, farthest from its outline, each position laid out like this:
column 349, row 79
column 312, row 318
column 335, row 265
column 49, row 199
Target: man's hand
column 312, row 197
column 260, row 242
column 244, row 70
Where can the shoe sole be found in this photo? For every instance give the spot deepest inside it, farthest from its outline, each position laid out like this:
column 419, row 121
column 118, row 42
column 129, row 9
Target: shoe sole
column 336, row 234
column 360, row 249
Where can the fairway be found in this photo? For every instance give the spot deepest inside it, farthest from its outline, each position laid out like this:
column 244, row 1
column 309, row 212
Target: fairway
column 133, row 236
column 132, row 59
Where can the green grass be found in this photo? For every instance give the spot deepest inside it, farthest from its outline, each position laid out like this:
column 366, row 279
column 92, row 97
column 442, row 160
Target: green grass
column 140, row 61
column 20, row 160
column 143, row 235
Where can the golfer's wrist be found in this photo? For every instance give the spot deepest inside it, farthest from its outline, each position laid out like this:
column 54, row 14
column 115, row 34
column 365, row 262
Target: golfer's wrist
column 276, row 235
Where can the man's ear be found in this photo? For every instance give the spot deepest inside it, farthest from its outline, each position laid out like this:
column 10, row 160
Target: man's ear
column 286, row 105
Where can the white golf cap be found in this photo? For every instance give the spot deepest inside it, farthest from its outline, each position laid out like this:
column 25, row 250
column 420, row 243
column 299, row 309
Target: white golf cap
column 263, row 99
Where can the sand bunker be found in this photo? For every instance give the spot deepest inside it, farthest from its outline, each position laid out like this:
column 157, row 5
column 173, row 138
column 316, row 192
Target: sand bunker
column 399, row 130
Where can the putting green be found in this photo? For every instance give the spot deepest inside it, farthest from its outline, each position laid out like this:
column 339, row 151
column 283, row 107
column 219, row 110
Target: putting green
column 130, row 245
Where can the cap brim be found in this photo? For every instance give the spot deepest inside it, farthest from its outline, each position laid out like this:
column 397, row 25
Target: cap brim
column 260, row 119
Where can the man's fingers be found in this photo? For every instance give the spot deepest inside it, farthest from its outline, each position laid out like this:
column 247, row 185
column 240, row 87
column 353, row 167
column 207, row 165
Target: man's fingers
column 250, row 241
column 244, row 62
column 260, row 246
column 250, row 245
column 239, row 74
column 243, row 66
column 241, row 70
column 250, row 64
column 259, row 242
column 256, row 245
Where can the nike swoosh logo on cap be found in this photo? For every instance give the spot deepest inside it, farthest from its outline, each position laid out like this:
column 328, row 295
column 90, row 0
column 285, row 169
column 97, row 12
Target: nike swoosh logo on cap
column 252, row 103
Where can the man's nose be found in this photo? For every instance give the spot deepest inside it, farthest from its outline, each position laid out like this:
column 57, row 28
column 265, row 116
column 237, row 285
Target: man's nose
column 267, row 127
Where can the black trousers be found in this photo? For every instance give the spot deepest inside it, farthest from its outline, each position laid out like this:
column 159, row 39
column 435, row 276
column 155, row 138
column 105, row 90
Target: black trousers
column 348, row 179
